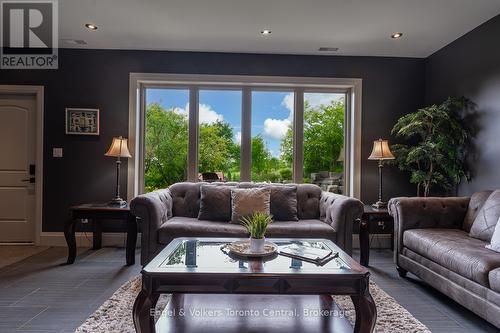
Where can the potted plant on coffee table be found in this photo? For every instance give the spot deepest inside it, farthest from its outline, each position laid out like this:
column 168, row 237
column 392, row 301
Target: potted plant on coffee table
column 256, row 225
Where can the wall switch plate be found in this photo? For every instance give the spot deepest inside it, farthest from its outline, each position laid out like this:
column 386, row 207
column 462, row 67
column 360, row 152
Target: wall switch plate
column 57, row 152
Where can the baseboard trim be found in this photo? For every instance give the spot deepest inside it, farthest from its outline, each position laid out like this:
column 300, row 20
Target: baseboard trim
column 115, row 239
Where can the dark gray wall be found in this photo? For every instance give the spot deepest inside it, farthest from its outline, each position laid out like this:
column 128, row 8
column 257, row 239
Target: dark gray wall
column 100, row 78
column 470, row 66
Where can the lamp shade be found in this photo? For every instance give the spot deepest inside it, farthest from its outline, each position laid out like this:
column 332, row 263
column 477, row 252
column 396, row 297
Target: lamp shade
column 118, row 148
column 381, row 151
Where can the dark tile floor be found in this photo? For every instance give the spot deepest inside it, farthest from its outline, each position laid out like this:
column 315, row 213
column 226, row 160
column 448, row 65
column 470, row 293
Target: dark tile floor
column 38, row 295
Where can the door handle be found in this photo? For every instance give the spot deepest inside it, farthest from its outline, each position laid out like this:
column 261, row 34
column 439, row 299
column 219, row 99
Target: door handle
column 29, row 180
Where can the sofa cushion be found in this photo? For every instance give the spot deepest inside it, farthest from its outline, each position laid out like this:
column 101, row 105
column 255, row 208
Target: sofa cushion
column 284, row 202
column 487, row 218
column 455, row 250
column 476, row 202
column 450, row 276
column 494, row 279
column 179, row 226
column 185, row 199
column 215, row 203
column 310, row 228
column 308, row 196
column 246, row 201
column 192, row 227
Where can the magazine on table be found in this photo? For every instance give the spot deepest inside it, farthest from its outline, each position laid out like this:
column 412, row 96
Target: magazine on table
column 307, row 253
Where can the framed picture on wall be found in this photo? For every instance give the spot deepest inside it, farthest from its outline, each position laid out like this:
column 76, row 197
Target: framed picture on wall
column 82, row 121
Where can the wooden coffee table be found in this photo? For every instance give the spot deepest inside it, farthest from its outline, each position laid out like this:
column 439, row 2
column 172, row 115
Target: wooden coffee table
column 190, row 266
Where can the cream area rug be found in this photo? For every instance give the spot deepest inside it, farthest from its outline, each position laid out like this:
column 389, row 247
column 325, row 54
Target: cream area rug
column 115, row 315
column 10, row 254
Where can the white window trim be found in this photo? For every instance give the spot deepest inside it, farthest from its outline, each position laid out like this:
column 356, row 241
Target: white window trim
column 139, row 81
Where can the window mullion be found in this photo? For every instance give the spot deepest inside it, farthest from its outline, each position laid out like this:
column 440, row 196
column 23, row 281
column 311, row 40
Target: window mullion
column 246, row 135
column 347, row 144
column 298, row 136
column 142, row 143
column 193, row 130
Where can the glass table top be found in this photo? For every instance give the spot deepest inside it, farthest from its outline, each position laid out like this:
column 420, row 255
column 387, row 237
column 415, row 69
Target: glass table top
column 207, row 255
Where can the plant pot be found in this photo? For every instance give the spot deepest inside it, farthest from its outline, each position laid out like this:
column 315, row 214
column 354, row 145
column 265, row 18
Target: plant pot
column 257, row 244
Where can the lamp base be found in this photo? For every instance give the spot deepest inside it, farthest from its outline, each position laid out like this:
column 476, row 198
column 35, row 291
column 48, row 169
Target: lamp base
column 117, row 202
column 379, row 205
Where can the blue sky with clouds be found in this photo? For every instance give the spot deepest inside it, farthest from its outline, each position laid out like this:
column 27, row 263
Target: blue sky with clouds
column 272, row 112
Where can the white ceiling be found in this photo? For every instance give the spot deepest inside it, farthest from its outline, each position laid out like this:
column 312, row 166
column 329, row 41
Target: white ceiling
column 356, row 27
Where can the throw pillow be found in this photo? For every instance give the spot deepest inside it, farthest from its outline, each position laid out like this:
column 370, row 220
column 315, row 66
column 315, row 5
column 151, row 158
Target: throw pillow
column 487, row 218
column 215, row 203
column 246, row 201
column 284, row 202
column 495, row 239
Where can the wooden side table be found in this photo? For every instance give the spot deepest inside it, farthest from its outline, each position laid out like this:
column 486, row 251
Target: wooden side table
column 371, row 214
column 96, row 213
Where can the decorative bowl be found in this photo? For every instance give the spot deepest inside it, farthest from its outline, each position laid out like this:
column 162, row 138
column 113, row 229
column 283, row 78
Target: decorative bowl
column 242, row 249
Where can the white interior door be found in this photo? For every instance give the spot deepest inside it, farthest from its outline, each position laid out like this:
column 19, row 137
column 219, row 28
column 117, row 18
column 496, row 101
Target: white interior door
column 17, row 164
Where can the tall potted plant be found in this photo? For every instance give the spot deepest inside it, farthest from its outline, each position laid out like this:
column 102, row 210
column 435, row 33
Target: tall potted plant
column 438, row 140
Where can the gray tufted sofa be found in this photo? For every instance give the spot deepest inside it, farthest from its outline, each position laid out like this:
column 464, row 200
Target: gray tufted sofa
column 172, row 212
column 432, row 241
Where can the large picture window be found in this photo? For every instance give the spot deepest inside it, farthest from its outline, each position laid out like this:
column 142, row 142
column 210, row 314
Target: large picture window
column 272, row 120
column 220, row 135
column 245, row 129
column 324, row 130
column 166, row 137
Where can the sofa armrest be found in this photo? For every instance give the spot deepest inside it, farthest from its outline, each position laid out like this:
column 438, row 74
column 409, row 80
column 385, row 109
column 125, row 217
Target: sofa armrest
column 154, row 209
column 418, row 213
column 340, row 212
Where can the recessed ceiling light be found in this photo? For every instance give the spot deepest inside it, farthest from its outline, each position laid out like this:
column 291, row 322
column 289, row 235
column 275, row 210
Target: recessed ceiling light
column 266, row 32
column 397, row 35
column 91, row 26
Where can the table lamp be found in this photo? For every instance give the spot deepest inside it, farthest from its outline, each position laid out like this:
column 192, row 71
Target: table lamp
column 118, row 149
column 380, row 152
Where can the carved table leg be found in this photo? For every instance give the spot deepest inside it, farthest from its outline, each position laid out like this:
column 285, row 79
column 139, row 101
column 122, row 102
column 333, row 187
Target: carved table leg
column 143, row 310
column 366, row 313
column 131, row 239
column 144, row 307
column 69, row 234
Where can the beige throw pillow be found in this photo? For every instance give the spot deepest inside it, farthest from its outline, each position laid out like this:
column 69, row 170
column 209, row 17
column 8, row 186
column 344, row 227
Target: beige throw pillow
column 246, row 201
